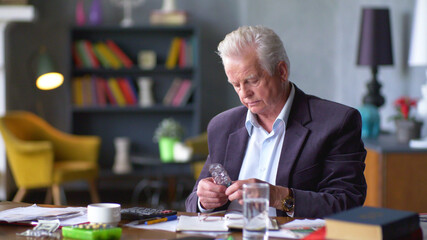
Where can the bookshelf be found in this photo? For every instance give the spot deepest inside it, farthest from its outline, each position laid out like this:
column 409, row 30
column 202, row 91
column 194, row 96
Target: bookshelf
column 134, row 121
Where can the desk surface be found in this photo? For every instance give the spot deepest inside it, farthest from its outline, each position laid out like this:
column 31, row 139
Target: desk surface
column 387, row 143
column 8, row 231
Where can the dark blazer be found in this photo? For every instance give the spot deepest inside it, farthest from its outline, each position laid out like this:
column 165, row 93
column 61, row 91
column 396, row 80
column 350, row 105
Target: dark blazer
column 322, row 157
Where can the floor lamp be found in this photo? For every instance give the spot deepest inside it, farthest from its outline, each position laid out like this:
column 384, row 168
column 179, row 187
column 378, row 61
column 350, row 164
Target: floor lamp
column 418, row 58
column 47, row 77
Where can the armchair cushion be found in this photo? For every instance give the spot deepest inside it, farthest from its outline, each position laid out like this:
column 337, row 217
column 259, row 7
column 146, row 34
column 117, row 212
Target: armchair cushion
column 40, row 155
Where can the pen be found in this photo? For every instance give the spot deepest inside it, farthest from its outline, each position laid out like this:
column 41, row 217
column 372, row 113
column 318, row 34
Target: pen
column 173, row 217
column 142, row 221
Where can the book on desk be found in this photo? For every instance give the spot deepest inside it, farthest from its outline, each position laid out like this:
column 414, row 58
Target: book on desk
column 373, row 223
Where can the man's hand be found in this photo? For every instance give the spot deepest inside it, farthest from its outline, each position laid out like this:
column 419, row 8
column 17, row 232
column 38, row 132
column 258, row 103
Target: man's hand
column 277, row 193
column 211, row 195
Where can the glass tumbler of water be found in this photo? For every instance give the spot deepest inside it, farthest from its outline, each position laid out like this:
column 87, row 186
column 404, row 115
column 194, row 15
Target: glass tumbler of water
column 255, row 211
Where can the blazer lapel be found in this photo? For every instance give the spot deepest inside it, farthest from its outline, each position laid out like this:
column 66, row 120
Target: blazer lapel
column 295, row 136
column 292, row 145
column 236, row 148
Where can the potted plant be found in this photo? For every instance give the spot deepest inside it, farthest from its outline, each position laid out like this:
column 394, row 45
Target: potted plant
column 407, row 127
column 167, row 134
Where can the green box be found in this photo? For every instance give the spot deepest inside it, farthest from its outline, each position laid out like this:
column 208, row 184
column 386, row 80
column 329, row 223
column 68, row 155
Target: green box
column 112, row 233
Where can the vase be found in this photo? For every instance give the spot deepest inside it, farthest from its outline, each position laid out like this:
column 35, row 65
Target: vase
column 95, row 13
column 166, row 145
column 407, row 130
column 145, row 91
column 370, row 121
column 121, row 160
column 80, row 13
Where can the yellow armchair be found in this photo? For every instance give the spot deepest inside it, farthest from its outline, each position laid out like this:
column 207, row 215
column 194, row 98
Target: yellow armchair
column 41, row 156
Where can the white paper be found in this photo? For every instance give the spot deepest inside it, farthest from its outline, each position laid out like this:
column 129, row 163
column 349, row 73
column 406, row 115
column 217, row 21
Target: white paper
column 67, row 216
column 196, row 223
column 236, row 221
column 75, row 220
column 303, row 223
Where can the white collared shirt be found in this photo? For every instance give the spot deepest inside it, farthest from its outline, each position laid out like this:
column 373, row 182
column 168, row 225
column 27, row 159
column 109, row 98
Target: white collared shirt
column 263, row 151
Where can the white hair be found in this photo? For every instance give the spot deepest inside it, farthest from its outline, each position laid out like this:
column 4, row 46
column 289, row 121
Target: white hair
column 269, row 47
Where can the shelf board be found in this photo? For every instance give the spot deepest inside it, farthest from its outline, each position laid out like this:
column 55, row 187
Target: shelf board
column 132, row 71
column 111, row 109
column 17, row 13
column 147, row 28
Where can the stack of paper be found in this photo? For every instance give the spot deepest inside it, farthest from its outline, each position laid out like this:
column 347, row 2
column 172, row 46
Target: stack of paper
column 67, row 216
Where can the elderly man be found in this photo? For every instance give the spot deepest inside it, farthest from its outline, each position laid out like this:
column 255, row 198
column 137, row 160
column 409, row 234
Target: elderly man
column 308, row 149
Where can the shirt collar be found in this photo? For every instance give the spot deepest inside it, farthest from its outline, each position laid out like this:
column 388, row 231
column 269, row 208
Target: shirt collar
column 251, row 120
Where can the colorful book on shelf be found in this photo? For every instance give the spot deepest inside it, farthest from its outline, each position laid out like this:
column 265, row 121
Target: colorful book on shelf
column 101, row 95
column 87, row 91
column 77, row 91
column 182, row 56
column 173, row 89
column 102, row 60
column 111, row 100
column 128, row 92
column 117, row 92
column 172, row 58
column 186, row 98
column 183, row 89
column 94, row 91
column 371, row 223
column 134, row 87
column 126, row 61
column 81, row 51
column 77, row 60
column 89, row 51
column 105, row 52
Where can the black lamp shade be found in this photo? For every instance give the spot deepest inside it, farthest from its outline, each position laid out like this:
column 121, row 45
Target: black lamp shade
column 375, row 42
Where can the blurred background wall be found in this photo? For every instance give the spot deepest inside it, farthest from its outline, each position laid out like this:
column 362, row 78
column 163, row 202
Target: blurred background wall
column 320, row 36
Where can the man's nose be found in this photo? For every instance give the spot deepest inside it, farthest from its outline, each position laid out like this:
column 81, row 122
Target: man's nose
column 246, row 91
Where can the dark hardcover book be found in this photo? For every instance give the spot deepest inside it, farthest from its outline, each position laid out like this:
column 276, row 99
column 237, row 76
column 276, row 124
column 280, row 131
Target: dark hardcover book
column 371, row 223
column 321, row 232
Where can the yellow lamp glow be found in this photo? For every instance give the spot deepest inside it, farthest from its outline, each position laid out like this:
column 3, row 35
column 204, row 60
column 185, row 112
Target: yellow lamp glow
column 47, row 78
column 49, row 81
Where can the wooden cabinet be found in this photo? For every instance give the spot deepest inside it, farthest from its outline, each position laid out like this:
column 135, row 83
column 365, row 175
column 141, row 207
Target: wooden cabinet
column 396, row 175
column 133, row 121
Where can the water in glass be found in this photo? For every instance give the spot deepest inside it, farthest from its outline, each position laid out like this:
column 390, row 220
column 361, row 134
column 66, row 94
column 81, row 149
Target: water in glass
column 255, row 211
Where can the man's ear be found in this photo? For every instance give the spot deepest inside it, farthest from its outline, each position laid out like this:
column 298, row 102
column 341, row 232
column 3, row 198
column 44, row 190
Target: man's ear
column 283, row 71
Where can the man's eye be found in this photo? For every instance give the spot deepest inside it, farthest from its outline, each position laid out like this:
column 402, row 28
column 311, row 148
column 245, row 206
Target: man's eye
column 253, row 81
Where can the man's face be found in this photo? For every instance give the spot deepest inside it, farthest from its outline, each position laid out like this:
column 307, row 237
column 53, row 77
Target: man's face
column 261, row 93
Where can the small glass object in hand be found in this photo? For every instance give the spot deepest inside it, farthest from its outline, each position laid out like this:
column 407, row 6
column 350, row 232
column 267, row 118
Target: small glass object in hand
column 219, row 174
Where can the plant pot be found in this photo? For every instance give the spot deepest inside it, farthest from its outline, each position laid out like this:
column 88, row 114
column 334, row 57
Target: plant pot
column 166, row 148
column 407, row 130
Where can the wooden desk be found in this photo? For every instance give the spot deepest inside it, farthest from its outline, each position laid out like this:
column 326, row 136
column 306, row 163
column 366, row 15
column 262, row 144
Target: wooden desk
column 396, row 175
column 8, row 231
